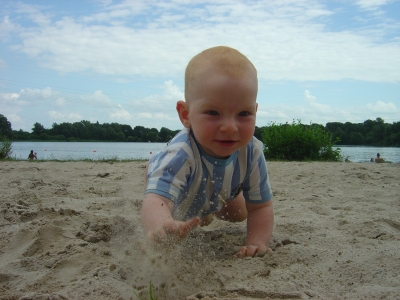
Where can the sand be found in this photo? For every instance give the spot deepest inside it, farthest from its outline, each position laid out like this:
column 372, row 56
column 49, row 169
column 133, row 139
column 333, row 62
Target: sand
column 71, row 230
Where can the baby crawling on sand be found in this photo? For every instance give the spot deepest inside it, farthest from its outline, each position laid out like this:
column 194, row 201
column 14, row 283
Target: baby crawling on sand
column 214, row 166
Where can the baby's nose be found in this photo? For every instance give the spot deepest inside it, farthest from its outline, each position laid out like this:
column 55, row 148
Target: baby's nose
column 228, row 125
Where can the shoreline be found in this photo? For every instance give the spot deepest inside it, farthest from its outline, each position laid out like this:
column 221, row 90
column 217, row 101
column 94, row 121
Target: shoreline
column 71, row 230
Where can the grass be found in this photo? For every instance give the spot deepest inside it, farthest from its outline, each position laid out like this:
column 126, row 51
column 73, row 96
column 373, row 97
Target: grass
column 150, row 296
column 5, row 147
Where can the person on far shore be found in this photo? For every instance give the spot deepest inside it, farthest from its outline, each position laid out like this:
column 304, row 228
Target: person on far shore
column 378, row 158
column 214, row 166
column 32, row 155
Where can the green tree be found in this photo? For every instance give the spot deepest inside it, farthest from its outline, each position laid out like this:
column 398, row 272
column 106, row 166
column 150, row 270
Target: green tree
column 165, row 134
column 5, row 127
column 299, row 142
column 38, row 129
column 356, row 138
column 258, row 132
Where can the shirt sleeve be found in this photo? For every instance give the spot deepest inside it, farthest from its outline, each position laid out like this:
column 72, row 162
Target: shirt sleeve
column 168, row 172
column 256, row 188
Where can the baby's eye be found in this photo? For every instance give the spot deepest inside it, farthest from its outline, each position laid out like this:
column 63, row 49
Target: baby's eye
column 244, row 113
column 212, row 113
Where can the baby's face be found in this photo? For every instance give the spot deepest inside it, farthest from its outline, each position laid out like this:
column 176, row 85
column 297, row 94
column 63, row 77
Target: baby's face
column 222, row 112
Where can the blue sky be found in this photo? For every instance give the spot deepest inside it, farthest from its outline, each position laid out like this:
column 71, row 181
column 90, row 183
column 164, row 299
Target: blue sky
column 124, row 61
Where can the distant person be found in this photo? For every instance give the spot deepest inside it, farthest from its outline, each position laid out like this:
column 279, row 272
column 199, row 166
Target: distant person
column 214, row 166
column 32, row 155
column 378, row 158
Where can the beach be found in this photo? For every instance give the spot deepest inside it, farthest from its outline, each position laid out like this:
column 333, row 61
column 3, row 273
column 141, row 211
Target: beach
column 71, row 230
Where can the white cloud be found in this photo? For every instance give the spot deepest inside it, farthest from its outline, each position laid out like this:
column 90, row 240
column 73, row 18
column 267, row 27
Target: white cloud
column 121, row 114
column 12, row 102
column 13, row 119
column 7, row 27
column 61, row 101
column 99, row 99
column 372, row 4
column 382, row 107
column 314, row 105
column 35, row 13
column 284, row 41
column 64, row 116
column 157, row 107
column 34, row 94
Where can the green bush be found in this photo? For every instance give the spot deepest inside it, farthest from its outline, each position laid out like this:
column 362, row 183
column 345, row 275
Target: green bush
column 298, row 142
column 5, row 147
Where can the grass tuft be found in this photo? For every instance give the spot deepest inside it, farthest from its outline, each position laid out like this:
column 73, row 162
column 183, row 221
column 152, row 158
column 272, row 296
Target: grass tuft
column 151, row 293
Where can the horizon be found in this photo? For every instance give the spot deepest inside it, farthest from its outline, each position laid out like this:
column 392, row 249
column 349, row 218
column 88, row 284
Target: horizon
column 124, row 61
column 95, row 122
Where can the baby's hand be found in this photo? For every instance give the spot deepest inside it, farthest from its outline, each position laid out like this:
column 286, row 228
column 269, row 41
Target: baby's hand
column 172, row 231
column 252, row 250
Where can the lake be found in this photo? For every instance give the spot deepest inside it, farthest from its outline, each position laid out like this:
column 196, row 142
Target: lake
column 364, row 154
column 85, row 150
column 100, row 150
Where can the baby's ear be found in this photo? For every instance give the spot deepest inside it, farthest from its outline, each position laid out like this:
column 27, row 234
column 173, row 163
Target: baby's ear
column 183, row 113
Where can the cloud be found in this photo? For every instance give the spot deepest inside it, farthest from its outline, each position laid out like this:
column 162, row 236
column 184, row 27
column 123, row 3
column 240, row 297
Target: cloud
column 64, row 116
column 382, row 107
column 7, row 28
column 61, row 101
column 121, row 115
column 98, row 99
column 372, row 4
column 38, row 93
column 13, row 118
column 316, row 107
column 286, row 42
column 35, row 13
column 159, row 107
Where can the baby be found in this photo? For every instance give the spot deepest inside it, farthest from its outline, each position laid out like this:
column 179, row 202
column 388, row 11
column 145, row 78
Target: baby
column 214, row 166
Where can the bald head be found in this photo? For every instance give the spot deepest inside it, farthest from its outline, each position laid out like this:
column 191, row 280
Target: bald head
column 225, row 60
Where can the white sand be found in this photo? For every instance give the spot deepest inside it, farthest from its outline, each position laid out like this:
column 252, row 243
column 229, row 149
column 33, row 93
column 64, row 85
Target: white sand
column 67, row 233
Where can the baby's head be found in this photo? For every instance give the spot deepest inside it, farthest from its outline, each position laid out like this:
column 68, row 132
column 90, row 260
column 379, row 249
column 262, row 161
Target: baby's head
column 220, row 100
column 224, row 60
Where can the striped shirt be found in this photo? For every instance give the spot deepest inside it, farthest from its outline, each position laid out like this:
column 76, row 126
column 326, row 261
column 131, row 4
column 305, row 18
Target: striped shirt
column 199, row 184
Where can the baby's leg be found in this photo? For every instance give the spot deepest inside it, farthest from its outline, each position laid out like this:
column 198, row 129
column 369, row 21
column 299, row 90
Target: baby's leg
column 233, row 211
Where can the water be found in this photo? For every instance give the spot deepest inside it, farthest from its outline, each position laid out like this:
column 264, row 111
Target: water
column 85, row 150
column 364, row 154
column 96, row 151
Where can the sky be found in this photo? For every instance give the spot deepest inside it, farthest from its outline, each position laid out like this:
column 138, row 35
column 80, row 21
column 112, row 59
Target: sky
column 124, row 61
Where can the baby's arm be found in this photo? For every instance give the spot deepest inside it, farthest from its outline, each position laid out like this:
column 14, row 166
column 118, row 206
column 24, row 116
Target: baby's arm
column 157, row 220
column 260, row 222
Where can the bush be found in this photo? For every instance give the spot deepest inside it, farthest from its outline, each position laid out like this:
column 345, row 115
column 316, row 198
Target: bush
column 299, row 142
column 5, row 147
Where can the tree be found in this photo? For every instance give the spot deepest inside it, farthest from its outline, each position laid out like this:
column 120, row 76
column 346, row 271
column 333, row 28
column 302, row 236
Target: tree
column 139, row 132
column 5, row 127
column 38, row 129
column 356, row 138
column 165, row 134
column 299, row 142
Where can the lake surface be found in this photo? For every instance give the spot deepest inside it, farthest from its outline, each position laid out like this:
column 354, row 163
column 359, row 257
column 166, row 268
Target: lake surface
column 85, row 150
column 99, row 151
column 364, row 154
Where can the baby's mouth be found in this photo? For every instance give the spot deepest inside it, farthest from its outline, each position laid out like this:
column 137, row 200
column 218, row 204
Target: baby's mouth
column 226, row 143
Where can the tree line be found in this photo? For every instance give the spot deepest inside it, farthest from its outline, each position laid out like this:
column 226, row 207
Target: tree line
column 369, row 133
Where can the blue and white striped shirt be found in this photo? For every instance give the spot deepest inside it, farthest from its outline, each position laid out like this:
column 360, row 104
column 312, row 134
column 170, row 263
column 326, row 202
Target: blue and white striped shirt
column 199, row 184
